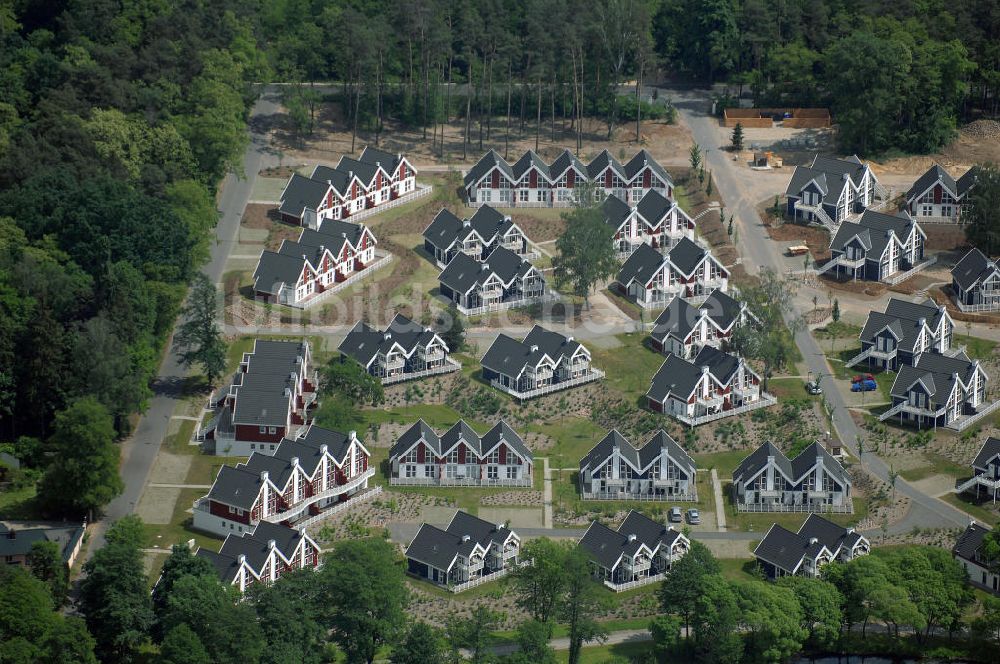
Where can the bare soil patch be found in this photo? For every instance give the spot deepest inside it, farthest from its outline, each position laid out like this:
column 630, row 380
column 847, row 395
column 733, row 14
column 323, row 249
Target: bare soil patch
column 264, row 216
column 944, row 237
column 976, row 143
column 872, row 289
column 283, row 171
column 815, row 238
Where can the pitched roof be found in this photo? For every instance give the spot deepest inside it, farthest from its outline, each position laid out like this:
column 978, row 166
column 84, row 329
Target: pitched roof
column 509, row 357
column 967, row 180
column 364, row 171
column 364, row 342
column 301, row 192
column 722, row 309
column 721, row 365
column 485, row 164
column 438, row 548
column 933, row 175
column 675, row 376
column 16, row 539
column 563, row 162
column 606, row 546
column 757, row 460
column 263, row 407
column 388, row 161
column 973, row 268
column 643, row 159
column 903, row 318
column 502, row 432
column 686, row 255
column 527, row 160
column 829, row 534
column 785, row 549
column 616, row 211
column 828, row 172
column 677, row 320
column 970, row 541
column 417, row 431
column 603, row 161
column 872, row 230
column 793, row 469
column 988, row 452
column 654, row 206
column 339, row 180
column 639, row 458
column 937, row 373
column 275, row 270
column 641, row 265
column 464, row 272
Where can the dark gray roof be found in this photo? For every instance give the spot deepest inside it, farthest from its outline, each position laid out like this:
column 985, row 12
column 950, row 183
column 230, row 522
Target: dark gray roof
column 785, row 549
column 934, row 174
column 801, row 176
column 256, row 545
column 639, row 458
column 641, row 266
column 439, row 548
column 275, row 270
column 970, row 541
column 364, row 342
column 903, row 320
column 806, row 459
column 527, row 160
column 485, row 165
column 446, row 228
column 16, row 539
column 337, row 443
column 972, row 269
column 563, row 162
column 828, row 172
column 676, row 320
column 408, row 439
column 364, row 171
column 687, row 255
column 653, row 207
column 722, row 309
column 509, row 356
column 236, row 486
column 675, row 376
column 285, row 265
column 793, row 470
column 339, row 180
column 989, row 451
column 967, row 180
column 642, row 159
column 225, row 566
column 721, row 365
column 386, row 160
column 616, row 211
column 464, row 272
column 302, row 192
column 756, row 460
column 606, row 546
column 502, row 432
column 872, row 230
column 602, row 162
column 937, row 372
column 829, row 534
column 460, row 432
column 263, row 407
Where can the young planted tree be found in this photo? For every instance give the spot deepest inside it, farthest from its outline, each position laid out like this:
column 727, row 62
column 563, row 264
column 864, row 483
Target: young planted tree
column 695, row 158
column 835, row 312
column 198, row 339
column 586, row 253
column 737, row 138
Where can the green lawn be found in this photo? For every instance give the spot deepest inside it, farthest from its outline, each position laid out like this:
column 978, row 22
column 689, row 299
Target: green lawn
column 724, row 462
column 573, row 436
column 18, row 503
column 790, row 388
column 761, row 521
column 978, row 511
column 739, row 569
column 629, row 367
column 838, row 330
column 937, row 464
column 976, row 348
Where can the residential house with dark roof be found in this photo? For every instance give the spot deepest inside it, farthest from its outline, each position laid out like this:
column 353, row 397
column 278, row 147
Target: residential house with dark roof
column 938, row 390
column 688, row 270
column 975, row 282
column 713, row 385
column 18, row 537
column 543, row 362
column 876, row 247
column 468, row 552
column 654, row 220
column 354, row 185
column 531, row 182
column 830, row 190
column 461, row 457
column 814, row 481
column 262, row 556
column 937, row 197
column 985, row 471
column 818, row 542
column 684, row 328
column 476, row 236
column 970, row 553
column 502, row 280
column 402, row 351
column 304, row 476
column 269, row 398
column 903, row 332
column 641, row 551
column 659, row 470
column 319, row 261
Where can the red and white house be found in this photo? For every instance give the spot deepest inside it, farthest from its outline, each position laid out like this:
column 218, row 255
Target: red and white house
column 354, row 185
column 938, row 197
column 654, row 220
column 263, row 555
column 305, row 476
column 530, row 182
column 319, row 261
column 688, row 270
column 269, row 399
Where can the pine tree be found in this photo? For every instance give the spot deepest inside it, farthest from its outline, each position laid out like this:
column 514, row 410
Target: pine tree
column 836, row 311
column 708, row 187
column 737, row 137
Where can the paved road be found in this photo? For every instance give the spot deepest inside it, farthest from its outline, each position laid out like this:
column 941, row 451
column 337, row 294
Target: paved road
column 758, row 250
column 140, row 450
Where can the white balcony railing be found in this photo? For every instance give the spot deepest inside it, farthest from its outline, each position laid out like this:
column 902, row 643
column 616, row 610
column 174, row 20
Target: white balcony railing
column 361, row 497
column 495, row 576
column 847, row 507
column 287, row 295
column 641, row 497
column 638, row 583
column 448, row 366
column 764, row 401
column 461, row 481
column 594, row 374
column 304, row 504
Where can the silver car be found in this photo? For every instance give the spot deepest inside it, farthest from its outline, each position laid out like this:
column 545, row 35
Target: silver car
column 675, row 515
column 693, row 517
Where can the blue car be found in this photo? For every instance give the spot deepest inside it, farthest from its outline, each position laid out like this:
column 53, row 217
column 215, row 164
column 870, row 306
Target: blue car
column 866, row 385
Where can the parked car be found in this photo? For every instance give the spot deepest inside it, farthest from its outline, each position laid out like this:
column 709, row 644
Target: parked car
column 863, row 377
column 693, row 517
column 675, row 515
column 812, row 387
column 866, row 385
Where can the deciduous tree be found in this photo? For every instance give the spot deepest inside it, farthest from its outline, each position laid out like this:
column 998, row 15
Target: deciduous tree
column 198, row 338
column 586, row 253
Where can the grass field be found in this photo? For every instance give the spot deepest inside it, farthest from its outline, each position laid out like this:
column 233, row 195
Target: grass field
column 630, row 367
column 937, row 464
column 761, row 521
column 968, row 505
column 976, row 348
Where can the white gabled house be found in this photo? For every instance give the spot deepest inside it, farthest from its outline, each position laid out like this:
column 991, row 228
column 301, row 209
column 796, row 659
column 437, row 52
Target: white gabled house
column 405, row 350
column 641, row 551
column 684, row 329
column 654, row 220
column 975, row 282
column 970, row 552
column 938, row 197
column 659, row 470
column 814, row 481
column 904, row 332
column 938, row 390
column 985, row 470
column 502, row 279
column 687, row 270
column 318, row 261
column 876, row 247
column 817, row 543
column 831, row 190
column 476, row 236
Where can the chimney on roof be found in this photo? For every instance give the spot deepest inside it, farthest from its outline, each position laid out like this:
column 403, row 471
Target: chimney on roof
column 569, row 339
column 350, row 174
column 506, row 217
column 399, row 156
column 922, row 321
column 500, row 526
column 352, row 435
column 466, row 223
column 387, row 336
column 465, row 538
column 534, row 348
column 304, row 257
column 846, row 177
column 242, row 558
column 263, row 476
column 631, row 538
column 813, row 540
column 343, row 235
column 295, row 461
column 849, row 530
column 288, row 391
column 271, row 544
column 486, row 266
column 704, row 369
column 322, row 248
column 322, row 449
